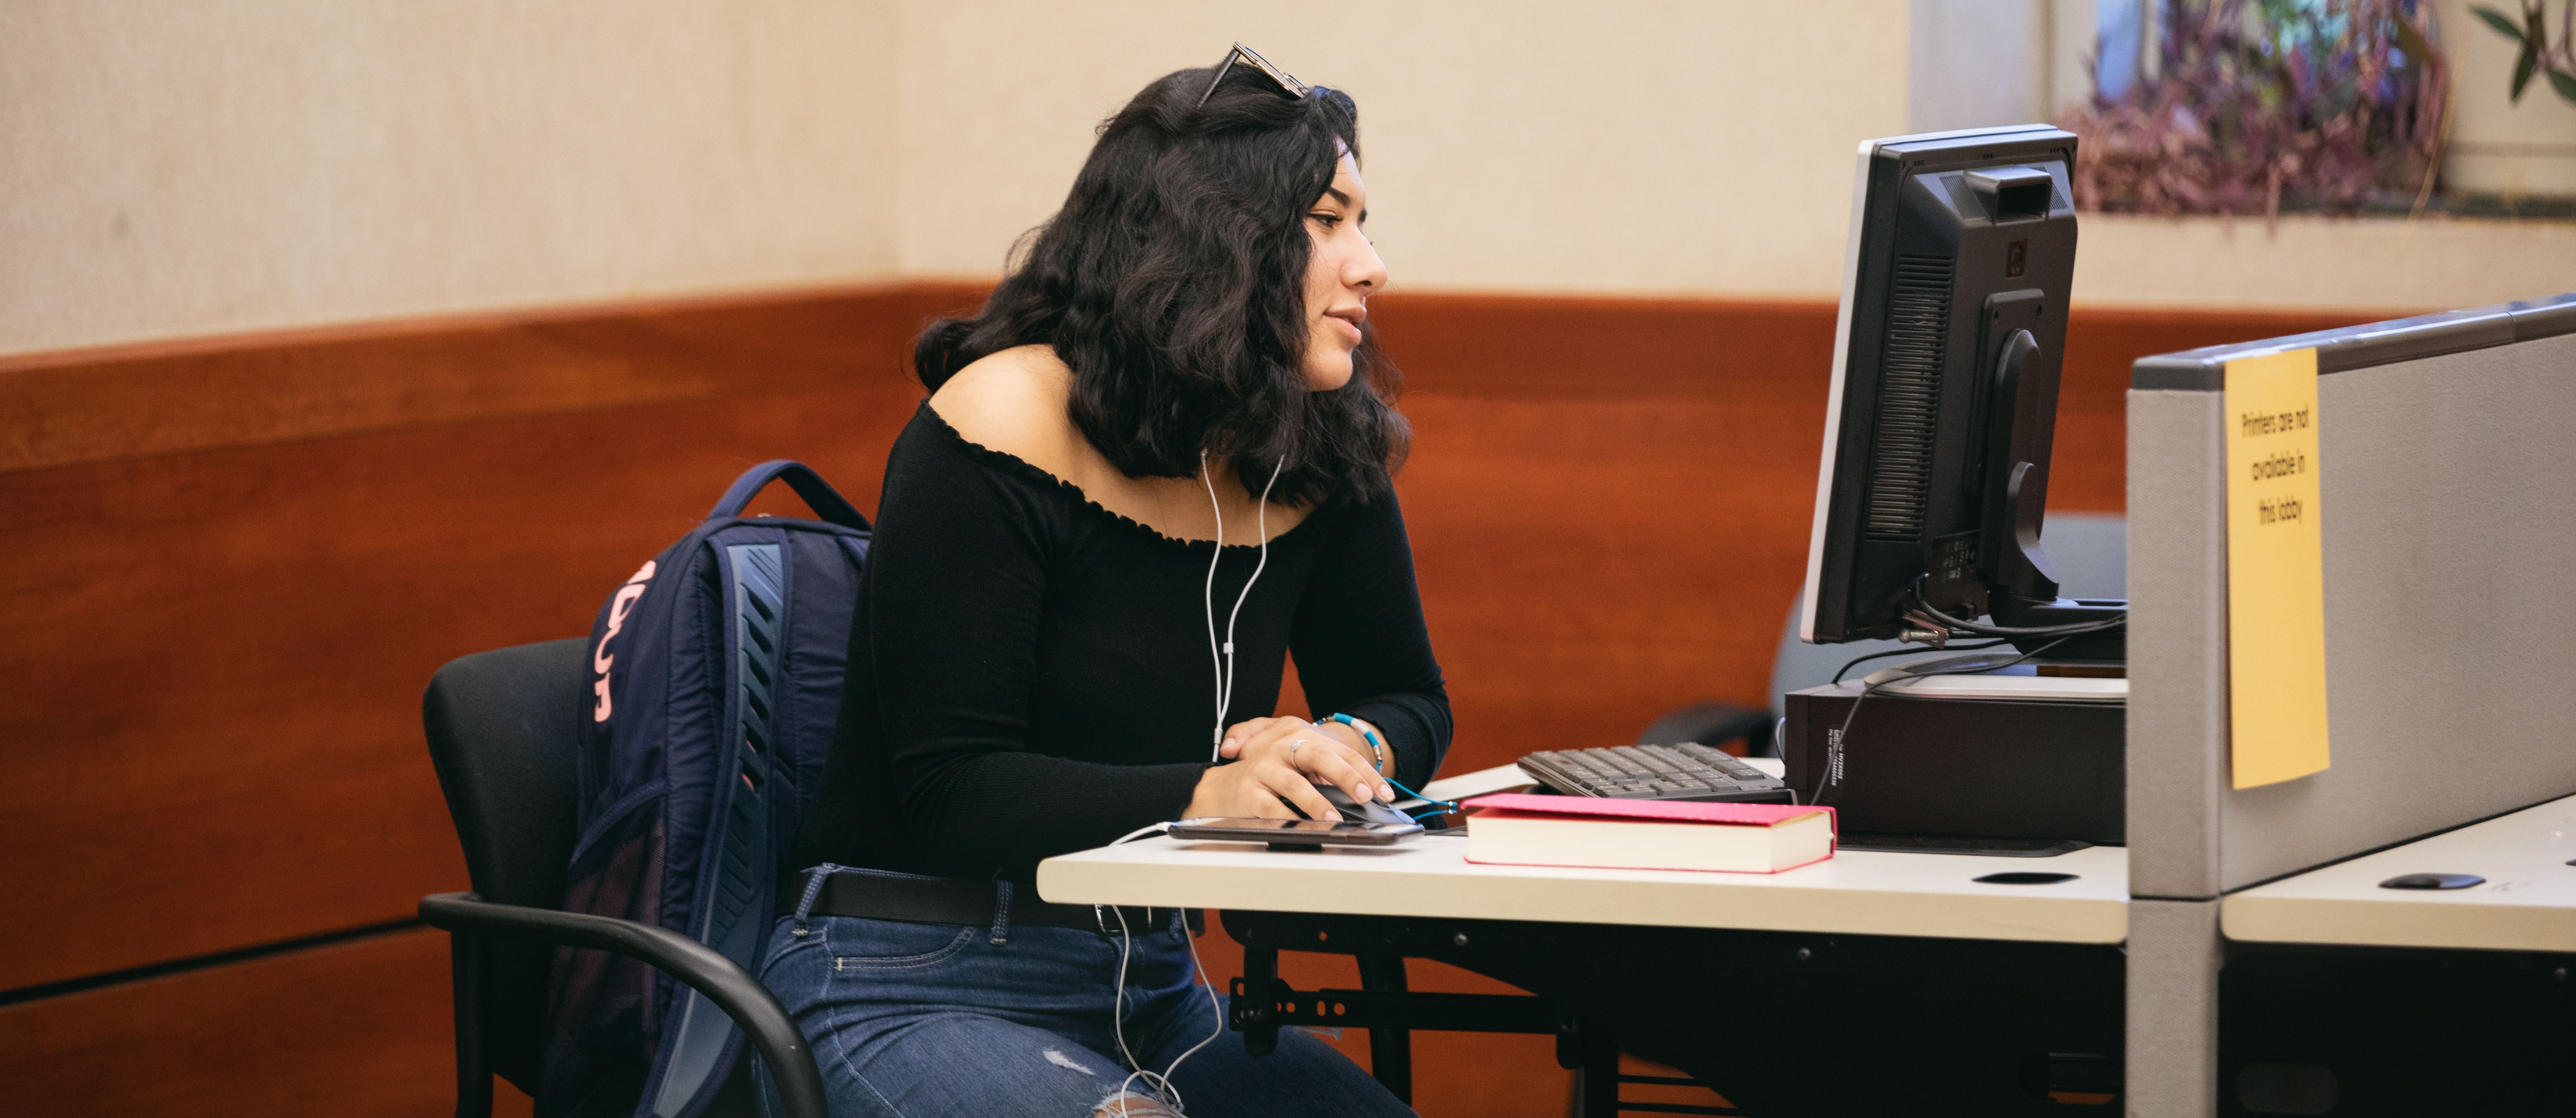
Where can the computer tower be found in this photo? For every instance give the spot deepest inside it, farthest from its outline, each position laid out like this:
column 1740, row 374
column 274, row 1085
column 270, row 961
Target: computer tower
column 1995, row 768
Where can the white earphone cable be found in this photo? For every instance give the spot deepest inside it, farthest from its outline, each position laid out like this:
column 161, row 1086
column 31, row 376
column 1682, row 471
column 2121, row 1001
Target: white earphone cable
column 1118, row 1016
column 1223, row 657
column 1214, row 1010
column 1261, row 514
column 1207, row 598
column 1159, row 1082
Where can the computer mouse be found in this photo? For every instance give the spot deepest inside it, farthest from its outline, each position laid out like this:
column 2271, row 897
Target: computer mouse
column 2432, row 881
column 1370, row 812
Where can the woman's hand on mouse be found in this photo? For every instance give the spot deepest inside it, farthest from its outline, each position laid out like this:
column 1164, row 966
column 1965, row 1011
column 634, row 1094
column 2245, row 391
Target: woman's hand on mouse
column 1278, row 761
column 1266, row 776
column 1354, row 740
column 1347, row 767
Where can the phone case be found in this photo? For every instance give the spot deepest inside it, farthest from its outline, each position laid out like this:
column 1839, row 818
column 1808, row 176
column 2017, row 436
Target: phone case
column 1345, row 833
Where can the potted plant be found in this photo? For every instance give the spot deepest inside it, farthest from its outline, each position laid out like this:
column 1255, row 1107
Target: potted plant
column 2514, row 139
column 2334, row 107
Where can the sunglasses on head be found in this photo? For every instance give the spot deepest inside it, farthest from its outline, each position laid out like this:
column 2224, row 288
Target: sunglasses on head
column 1251, row 62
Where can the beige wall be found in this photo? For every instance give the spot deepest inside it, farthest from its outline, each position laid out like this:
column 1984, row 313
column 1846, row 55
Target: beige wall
column 1639, row 146
column 2499, row 145
column 1651, row 147
column 173, row 169
column 176, row 168
column 2315, row 263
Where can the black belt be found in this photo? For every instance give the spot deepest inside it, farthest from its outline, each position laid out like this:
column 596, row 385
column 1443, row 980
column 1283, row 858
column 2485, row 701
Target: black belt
column 940, row 900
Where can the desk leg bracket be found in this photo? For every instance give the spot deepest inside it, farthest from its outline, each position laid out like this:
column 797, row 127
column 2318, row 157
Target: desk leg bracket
column 1263, row 1003
column 1282, row 1005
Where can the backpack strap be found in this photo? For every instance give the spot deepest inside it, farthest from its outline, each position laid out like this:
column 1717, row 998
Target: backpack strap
column 817, row 493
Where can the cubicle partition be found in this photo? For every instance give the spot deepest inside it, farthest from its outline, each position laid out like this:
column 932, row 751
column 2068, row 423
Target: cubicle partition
column 2446, row 463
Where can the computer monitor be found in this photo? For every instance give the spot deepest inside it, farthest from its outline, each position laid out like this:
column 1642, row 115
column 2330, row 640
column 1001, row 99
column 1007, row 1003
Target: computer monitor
column 1944, row 399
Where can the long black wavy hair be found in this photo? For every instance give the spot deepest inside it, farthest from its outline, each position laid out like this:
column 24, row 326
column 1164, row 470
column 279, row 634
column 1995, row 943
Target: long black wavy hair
column 1173, row 284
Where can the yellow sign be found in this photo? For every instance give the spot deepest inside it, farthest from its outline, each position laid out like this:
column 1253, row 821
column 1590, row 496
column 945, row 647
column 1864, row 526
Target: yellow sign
column 2276, row 597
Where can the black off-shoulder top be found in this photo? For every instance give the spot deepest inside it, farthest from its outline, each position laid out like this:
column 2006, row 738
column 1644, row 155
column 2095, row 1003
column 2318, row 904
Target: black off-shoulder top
column 1029, row 672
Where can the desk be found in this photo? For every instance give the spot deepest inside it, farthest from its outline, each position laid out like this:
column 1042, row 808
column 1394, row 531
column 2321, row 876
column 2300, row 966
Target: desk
column 1959, row 996
column 2410, row 1001
column 2527, row 904
column 1856, row 892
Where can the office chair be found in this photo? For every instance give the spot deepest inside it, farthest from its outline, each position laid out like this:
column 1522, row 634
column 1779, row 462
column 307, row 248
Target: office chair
column 2089, row 550
column 501, row 728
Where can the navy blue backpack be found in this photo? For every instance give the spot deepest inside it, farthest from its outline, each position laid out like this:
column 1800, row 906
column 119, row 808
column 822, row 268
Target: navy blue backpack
column 715, row 677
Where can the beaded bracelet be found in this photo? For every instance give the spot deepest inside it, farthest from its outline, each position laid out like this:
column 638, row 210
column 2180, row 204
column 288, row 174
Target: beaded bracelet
column 1379, row 745
column 1365, row 732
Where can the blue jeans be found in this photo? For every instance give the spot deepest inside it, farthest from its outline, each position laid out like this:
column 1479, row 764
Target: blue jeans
column 923, row 1020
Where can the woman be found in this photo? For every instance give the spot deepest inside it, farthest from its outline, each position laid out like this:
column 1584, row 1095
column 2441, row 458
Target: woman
column 1051, row 647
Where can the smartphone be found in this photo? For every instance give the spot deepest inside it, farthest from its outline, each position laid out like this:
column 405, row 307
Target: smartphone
column 1296, row 832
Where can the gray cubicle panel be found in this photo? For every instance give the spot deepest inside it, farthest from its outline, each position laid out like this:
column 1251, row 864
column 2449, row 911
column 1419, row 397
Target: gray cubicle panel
column 2447, row 461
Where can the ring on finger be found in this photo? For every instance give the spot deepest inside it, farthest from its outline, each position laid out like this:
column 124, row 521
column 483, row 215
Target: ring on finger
column 1292, row 748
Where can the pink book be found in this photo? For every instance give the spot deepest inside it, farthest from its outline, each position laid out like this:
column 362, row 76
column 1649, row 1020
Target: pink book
column 1526, row 830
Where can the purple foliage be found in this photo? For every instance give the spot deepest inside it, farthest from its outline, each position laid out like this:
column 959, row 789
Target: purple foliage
column 2326, row 106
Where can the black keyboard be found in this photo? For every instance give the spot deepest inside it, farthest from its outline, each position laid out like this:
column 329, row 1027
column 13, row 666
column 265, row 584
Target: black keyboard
column 1686, row 771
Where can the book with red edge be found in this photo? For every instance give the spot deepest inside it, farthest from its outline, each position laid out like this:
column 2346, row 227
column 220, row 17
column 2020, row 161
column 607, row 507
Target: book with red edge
column 1525, row 830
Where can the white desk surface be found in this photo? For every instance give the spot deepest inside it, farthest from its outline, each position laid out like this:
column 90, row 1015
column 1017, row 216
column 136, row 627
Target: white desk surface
column 2527, row 904
column 1855, row 892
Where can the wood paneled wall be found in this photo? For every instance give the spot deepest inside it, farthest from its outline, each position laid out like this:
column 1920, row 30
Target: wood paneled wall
column 354, row 1028
column 228, row 568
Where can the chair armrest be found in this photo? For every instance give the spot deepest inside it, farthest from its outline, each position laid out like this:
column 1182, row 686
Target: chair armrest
column 734, row 990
